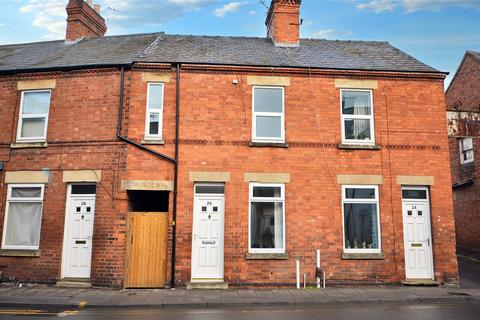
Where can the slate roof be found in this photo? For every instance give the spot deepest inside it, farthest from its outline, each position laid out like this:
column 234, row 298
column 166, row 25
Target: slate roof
column 113, row 50
column 314, row 53
column 249, row 51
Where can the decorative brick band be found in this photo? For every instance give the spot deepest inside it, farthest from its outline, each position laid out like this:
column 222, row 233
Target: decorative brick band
column 296, row 144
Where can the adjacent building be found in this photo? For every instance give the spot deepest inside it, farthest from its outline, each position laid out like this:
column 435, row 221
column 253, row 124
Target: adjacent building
column 463, row 115
column 156, row 160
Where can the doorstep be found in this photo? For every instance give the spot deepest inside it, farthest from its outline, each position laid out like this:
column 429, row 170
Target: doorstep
column 74, row 283
column 207, row 285
column 420, row 282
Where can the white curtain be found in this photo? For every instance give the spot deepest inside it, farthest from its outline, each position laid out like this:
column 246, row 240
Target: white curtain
column 361, row 108
column 278, row 226
column 23, row 225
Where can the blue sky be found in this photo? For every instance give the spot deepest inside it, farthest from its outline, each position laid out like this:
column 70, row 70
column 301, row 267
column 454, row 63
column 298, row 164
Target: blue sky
column 436, row 32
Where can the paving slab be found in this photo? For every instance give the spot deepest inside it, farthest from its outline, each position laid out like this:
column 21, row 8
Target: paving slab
column 163, row 298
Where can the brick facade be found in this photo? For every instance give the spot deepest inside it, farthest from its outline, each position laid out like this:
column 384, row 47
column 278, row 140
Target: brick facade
column 81, row 135
column 215, row 135
column 219, row 141
column 463, row 113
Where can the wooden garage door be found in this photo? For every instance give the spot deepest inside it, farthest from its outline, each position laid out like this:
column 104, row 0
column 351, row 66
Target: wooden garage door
column 147, row 250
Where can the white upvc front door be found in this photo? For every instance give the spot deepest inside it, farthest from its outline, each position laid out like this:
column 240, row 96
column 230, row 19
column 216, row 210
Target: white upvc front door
column 207, row 238
column 417, row 239
column 77, row 251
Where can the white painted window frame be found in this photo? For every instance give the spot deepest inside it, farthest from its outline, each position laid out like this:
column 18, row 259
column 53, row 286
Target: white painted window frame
column 268, row 114
column 462, row 151
column 21, row 116
column 370, row 117
column 10, row 199
column 373, row 201
column 280, row 199
column 158, row 136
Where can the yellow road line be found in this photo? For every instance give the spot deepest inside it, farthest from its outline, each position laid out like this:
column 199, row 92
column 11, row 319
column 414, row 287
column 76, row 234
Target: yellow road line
column 82, row 304
column 22, row 311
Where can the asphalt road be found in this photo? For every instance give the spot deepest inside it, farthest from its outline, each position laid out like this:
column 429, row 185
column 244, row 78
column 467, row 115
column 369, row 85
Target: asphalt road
column 360, row 312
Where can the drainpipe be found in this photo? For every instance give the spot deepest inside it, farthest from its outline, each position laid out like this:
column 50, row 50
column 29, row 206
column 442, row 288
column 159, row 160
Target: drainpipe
column 175, row 173
column 119, row 124
column 158, row 154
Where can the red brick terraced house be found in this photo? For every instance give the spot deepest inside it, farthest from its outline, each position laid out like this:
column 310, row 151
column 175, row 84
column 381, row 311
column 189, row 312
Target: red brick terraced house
column 157, row 160
column 463, row 115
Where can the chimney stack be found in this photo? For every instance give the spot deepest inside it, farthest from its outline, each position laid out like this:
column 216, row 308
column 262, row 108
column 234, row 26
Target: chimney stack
column 283, row 22
column 84, row 21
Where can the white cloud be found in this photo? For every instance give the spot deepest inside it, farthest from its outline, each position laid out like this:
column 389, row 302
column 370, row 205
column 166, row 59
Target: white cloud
column 120, row 15
column 252, row 12
column 330, row 34
column 378, row 6
column 227, row 8
column 49, row 15
column 2, row 24
column 414, row 5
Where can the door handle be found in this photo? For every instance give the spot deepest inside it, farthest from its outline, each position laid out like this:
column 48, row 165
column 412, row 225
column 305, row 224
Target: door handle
column 428, row 241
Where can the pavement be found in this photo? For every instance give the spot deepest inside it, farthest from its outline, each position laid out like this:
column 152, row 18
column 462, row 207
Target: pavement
column 30, row 296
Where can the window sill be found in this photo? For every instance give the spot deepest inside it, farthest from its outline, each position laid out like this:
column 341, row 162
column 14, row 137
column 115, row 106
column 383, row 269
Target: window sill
column 266, row 256
column 362, row 256
column 153, row 141
column 21, row 145
column 358, row 146
column 19, row 253
column 269, row 144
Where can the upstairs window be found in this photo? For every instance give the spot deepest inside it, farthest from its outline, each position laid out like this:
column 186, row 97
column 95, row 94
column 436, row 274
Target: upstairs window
column 23, row 216
column 267, row 218
column 357, row 117
column 466, row 150
column 361, row 219
column 154, row 115
column 268, row 114
column 33, row 118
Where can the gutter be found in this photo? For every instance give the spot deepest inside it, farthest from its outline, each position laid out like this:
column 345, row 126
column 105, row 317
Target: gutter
column 162, row 156
column 65, row 68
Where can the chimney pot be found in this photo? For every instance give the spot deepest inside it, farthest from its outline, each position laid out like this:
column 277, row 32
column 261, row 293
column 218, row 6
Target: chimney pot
column 90, row 3
column 97, row 8
column 283, row 22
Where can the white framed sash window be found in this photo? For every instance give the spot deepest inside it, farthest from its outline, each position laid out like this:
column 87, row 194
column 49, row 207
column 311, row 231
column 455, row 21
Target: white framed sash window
column 23, row 216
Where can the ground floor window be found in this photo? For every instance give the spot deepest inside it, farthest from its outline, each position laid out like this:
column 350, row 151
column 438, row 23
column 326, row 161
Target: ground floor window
column 361, row 227
column 267, row 218
column 23, row 216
